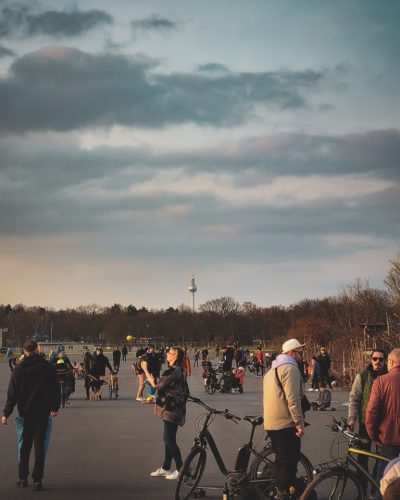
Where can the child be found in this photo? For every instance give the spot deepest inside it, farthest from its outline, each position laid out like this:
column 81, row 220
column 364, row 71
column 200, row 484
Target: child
column 239, row 375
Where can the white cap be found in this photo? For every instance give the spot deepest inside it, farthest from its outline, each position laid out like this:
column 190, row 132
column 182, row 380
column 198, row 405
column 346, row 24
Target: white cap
column 291, row 345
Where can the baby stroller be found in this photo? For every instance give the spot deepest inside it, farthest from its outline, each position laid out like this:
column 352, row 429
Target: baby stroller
column 228, row 381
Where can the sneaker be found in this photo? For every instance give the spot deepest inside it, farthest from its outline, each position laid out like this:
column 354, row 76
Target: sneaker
column 316, row 390
column 139, row 399
column 173, row 475
column 38, row 486
column 310, row 389
column 160, row 473
column 21, row 483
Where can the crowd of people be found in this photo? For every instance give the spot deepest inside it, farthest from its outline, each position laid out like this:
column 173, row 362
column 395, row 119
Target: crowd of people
column 373, row 409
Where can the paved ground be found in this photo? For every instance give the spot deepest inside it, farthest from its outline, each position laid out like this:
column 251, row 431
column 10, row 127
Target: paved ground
column 106, row 449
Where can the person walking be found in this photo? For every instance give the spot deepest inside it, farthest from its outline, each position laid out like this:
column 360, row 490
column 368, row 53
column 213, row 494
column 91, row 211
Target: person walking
column 87, row 363
column 358, row 400
column 196, row 357
column 382, row 413
column 10, row 356
column 315, row 377
column 324, row 363
column 140, row 373
column 153, row 368
column 98, row 370
column 170, row 407
column 283, row 388
column 34, row 389
column 260, row 361
column 116, row 359
column 124, row 352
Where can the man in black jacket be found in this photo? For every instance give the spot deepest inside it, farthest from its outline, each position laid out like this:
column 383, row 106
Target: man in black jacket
column 98, row 370
column 34, row 389
column 324, row 362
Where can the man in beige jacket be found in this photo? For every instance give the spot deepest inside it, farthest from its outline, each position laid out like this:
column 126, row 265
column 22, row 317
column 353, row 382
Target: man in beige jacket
column 283, row 416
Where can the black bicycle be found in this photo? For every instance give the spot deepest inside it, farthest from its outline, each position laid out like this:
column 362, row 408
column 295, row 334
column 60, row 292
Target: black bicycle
column 256, row 481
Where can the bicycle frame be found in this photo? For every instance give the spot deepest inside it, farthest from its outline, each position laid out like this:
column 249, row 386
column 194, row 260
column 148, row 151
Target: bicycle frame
column 360, row 468
column 206, row 437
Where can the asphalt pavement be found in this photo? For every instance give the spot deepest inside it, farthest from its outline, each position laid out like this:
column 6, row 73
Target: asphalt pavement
column 107, row 449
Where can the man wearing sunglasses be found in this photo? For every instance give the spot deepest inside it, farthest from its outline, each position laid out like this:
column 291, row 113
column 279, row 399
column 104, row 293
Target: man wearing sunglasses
column 359, row 398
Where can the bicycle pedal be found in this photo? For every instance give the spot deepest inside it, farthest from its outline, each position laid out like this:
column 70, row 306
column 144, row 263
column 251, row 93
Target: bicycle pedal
column 199, row 493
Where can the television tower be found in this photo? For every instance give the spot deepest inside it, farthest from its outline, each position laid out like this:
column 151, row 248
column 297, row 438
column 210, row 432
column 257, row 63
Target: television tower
column 192, row 287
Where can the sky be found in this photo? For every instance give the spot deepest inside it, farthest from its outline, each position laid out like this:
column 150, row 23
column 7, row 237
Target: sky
column 254, row 141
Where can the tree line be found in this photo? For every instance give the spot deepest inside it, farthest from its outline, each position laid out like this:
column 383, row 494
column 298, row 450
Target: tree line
column 334, row 319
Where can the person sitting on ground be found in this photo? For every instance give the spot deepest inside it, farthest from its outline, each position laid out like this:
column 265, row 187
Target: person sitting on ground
column 324, row 399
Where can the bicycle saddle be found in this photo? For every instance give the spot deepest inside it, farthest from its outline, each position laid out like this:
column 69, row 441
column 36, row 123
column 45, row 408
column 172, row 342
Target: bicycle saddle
column 254, row 420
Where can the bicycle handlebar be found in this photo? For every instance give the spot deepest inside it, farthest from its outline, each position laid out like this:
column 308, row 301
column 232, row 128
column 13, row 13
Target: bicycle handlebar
column 225, row 413
column 342, row 427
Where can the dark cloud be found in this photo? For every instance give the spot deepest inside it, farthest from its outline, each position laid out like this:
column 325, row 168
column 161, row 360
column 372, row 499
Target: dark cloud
column 5, row 52
column 213, row 67
column 51, row 186
column 153, row 23
column 62, row 89
column 23, row 21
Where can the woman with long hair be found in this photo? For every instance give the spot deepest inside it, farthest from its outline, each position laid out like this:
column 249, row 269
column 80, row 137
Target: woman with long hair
column 170, row 407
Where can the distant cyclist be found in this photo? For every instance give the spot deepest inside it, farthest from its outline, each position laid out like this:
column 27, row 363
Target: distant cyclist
column 116, row 358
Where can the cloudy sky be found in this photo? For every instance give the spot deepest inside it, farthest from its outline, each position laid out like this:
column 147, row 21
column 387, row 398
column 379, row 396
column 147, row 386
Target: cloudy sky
column 263, row 134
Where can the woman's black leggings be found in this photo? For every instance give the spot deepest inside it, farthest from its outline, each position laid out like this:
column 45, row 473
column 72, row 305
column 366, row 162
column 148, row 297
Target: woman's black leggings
column 172, row 450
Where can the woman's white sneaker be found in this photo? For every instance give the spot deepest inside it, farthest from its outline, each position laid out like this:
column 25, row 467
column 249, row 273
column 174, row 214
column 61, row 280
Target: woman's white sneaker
column 160, row 473
column 173, row 475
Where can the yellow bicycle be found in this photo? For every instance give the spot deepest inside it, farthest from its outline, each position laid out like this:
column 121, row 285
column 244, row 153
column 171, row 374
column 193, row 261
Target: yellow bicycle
column 339, row 479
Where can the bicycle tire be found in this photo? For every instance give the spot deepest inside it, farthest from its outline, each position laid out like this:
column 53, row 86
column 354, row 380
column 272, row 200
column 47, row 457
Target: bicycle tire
column 210, row 389
column 334, row 484
column 190, row 474
column 263, row 468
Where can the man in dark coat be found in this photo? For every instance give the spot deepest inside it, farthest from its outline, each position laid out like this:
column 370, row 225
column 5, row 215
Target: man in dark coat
column 324, row 363
column 116, row 358
column 34, row 389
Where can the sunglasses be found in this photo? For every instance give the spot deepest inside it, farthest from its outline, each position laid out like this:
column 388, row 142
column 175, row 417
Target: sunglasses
column 375, row 358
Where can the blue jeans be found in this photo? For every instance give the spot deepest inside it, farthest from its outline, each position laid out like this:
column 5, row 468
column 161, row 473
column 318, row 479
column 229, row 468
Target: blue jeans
column 172, row 450
column 150, row 389
column 32, row 430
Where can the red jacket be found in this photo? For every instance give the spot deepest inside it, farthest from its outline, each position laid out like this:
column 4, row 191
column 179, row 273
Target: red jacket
column 383, row 410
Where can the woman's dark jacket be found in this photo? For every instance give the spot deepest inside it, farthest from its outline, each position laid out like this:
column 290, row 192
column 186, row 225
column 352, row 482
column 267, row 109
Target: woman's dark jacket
column 172, row 393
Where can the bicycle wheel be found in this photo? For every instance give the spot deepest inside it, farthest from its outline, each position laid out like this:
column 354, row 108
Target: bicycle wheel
column 210, row 388
column 334, row 484
column 190, row 473
column 263, row 472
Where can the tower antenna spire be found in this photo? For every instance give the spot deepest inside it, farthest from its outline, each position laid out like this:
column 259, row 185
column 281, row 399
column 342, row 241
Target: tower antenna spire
column 192, row 286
